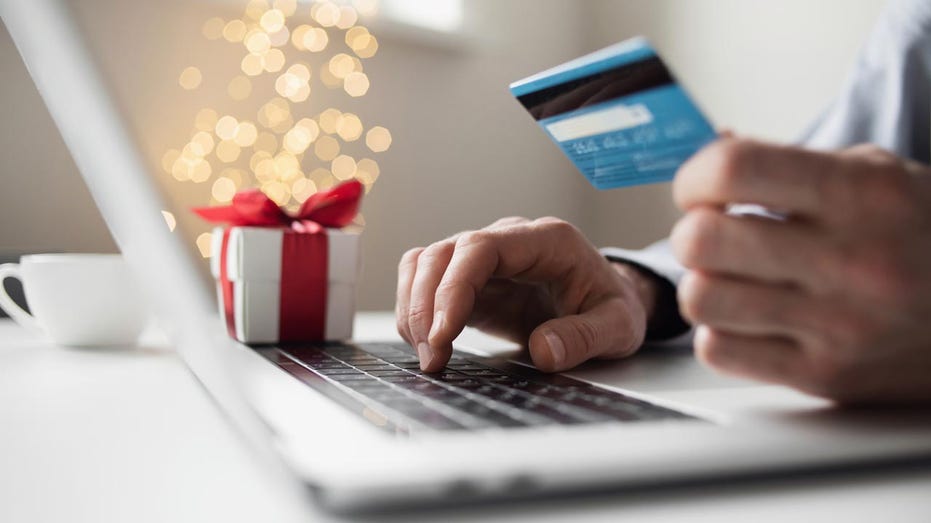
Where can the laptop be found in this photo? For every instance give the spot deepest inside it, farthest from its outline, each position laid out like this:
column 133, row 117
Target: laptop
column 358, row 426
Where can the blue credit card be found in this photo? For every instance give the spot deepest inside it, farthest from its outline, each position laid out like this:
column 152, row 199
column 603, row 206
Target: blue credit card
column 618, row 114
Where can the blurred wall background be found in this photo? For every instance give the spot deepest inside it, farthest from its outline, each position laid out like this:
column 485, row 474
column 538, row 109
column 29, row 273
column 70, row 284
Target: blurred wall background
column 464, row 152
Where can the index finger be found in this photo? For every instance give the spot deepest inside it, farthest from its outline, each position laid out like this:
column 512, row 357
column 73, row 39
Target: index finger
column 529, row 252
column 784, row 179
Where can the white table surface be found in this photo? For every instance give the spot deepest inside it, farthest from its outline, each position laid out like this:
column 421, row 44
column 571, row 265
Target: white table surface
column 128, row 435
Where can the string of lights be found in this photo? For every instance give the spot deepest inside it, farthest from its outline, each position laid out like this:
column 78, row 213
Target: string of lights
column 282, row 145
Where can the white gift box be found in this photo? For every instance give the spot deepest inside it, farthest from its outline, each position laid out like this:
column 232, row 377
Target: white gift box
column 254, row 272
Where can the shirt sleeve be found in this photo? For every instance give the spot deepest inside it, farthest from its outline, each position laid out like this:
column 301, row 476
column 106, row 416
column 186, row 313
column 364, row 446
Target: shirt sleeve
column 886, row 100
column 657, row 262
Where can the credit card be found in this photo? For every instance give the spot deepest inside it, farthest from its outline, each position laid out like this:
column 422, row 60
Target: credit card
column 618, row 114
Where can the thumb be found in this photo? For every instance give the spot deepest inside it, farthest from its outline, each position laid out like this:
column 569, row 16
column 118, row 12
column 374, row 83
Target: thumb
column 611, row 329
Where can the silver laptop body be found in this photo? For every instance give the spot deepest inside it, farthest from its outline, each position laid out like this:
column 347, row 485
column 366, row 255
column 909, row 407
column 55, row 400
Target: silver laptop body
column 350, row 455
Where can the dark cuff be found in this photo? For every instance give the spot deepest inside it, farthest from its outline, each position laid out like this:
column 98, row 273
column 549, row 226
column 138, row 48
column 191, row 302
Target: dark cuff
column 666, row 322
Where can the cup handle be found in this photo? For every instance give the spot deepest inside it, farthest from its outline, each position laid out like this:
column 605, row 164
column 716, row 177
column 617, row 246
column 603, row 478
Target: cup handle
column 19, row 315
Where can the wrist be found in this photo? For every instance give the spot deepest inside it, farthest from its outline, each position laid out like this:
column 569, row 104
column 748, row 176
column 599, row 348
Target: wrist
column 658, row 297
column 644, row 286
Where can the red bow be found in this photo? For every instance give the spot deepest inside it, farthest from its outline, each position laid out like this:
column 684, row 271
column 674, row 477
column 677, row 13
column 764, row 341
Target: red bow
column 335, row 207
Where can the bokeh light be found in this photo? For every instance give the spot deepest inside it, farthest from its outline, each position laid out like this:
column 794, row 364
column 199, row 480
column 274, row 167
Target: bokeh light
column 343, row 167
column 280, row 37
column 228, row 151
column 190, row 78
column 366, row 7
column 341, row 65
column 239, row 88
column 315, row 40
column 275, row 113
column 279, row 192
column 294, row 84
column 349, row 127
column 348, row 17
column 213, row 28
column 329, row 120
column 246, row 134
column 300, row 136
column 257, row 42
column 367, row 170
column 204, row 244
column 272, row 21
column 170, row 220
column 356, row 84
column 362, row 43
column 252, row 64
column 326, row 13
column 226, row 127
column 326, row 148
column 206, row 120
column 202, row 143
column 234, row 31
column 169, row 159
column 273, row 61
column 255, row 9
column 274, row 132
column 200, row 171
column 288, row 7
column 223, row 189
column 303, row 188
column 378, row 139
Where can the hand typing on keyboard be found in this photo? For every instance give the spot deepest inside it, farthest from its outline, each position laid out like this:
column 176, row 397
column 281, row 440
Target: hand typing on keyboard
column 537, row 282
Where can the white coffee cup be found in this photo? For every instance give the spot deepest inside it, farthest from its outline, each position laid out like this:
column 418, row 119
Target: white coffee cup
column 77, row 299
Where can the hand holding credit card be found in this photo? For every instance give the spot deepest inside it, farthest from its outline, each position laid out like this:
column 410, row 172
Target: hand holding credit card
column 618, row 114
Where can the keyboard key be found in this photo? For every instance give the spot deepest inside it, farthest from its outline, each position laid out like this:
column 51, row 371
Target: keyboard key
column 348, row 377
column 338, row 370
column 468, row 395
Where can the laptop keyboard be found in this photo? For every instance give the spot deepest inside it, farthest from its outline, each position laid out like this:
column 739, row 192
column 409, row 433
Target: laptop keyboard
column 384, row 383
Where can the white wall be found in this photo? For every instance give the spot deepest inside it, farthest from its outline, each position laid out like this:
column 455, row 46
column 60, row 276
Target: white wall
column 762, row 68
column 464, row 151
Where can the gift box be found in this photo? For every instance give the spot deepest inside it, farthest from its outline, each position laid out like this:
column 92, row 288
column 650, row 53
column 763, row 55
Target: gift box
column 285, row 277
column 284, row 286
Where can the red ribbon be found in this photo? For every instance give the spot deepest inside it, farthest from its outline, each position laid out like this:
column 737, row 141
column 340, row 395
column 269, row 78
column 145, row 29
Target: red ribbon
column 303, row 295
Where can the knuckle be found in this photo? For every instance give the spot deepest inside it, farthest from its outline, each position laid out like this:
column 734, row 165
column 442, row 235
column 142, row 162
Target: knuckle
column 711, row 350
column 436, row 251
column 734, row 159
column 873, row 151
column 557, row 226
column 509, row 221
column 588, row 334
column 694, row 237
column 695, row 296
column 411, row 255
column 472, row 239
column 448, row 287
column 418, row 315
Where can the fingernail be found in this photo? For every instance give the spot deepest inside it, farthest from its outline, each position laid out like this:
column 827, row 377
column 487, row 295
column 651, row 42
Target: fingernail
column 439, row 323
column 557, row 349
column 425, row 355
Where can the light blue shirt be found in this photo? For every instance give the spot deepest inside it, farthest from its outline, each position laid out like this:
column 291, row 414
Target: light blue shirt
column 886, row 101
